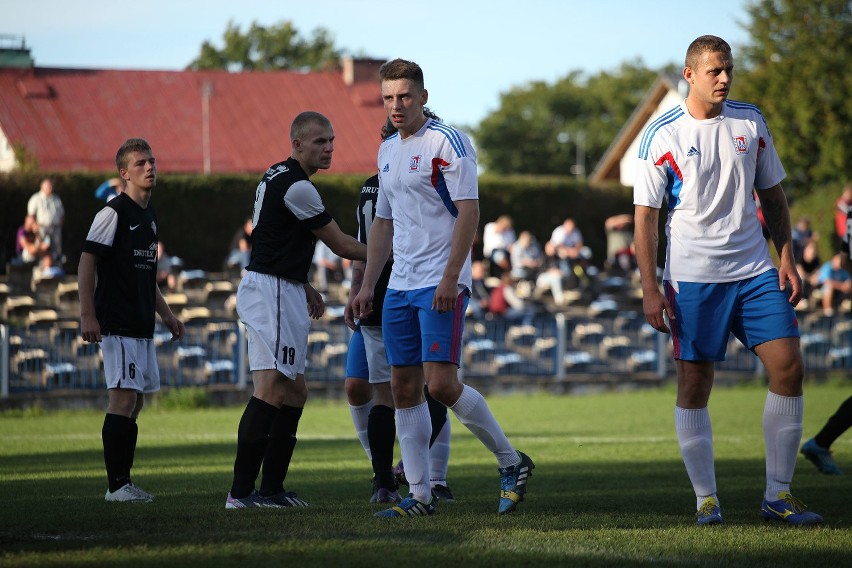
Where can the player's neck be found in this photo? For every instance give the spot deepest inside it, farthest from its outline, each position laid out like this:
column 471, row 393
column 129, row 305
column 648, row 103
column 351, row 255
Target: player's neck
column 405, row 132
column 139, row 195
column 701, row 110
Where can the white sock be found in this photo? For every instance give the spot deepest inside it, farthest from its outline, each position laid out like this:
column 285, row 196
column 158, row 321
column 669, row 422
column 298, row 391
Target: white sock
column 472, row 411
column 695, row 438
column 439, row 456
column 782, row 432
column 413, row 429
column 360, row 417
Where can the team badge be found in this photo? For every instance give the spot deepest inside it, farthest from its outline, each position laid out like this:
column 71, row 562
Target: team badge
column 740, row 145
column 414, row 164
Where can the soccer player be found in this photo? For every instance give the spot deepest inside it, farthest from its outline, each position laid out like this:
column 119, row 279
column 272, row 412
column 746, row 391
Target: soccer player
column 275, row 302
column 818, row 448
column 118, row 312
column 703, row 158
column 428, row 211
column 368, row 376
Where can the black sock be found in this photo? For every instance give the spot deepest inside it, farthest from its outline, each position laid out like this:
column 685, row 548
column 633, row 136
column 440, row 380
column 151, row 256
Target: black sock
column 252, row 437
column 116, row 436
column 381, row 432
column 836, row 425
column 438, row 414
column 131, row 448
column 279, row 450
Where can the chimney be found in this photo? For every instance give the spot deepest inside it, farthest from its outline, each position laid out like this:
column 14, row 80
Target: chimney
column 361, row 70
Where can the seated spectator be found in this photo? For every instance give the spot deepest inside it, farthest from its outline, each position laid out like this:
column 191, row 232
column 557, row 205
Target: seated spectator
column 809, row 268
column 479, row 293
column 166, row 266
column 327, row 267
column 802, row 235
column 835, row 283
column 620, row 252
column 526, row 257
column 497, row 240
column 30, row 248
column 505, row 303
column 240, row 250
column 841, row 208
column 565, row 245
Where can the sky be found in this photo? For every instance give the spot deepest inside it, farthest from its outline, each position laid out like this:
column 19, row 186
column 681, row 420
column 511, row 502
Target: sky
column 471, row 51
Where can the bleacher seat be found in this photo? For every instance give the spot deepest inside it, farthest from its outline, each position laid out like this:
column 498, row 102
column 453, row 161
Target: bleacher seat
column 588, row 334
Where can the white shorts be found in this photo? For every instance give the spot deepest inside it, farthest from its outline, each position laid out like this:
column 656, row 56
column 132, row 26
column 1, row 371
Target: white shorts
column 130, row 363
column 275, row 313
column 377, row 359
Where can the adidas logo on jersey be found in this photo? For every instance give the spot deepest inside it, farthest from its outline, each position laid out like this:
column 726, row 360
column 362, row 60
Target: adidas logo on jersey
column 693, row 151
column 386, row 168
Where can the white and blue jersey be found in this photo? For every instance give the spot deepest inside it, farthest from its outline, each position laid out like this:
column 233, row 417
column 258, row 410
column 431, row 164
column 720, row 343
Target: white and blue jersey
column 706, row 171
column 420, row 178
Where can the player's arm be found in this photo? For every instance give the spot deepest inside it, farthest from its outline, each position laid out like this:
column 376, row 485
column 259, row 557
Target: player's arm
column 379, row 246
column 646, row 239
column 447, row 292
column 340, row 243
column 776, row 212
column 90, row 329
column 354, row 287
column 173, row 324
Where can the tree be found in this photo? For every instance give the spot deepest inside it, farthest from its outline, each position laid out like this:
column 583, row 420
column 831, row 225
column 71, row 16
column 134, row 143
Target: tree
column 264, row 48
column 796, row 71
column 561, row 128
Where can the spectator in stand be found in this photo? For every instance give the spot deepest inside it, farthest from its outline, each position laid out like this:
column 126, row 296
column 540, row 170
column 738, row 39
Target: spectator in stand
column 620, row 254
column 165, row 268
column 565, row 245
column 835, row 283
column 527, row 257
column 802, row 235
column 48, row 211
column 240, row 247
column 842, row 207
column 497, row 240
column 327, row 267
column 109, row 189
column 479, row 293
column 504, row 301
column 808, row 269
column 29, row 246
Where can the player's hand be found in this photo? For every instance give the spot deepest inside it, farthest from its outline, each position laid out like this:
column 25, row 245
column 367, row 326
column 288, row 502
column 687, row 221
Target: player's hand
column 656, row 307
column 316, row 305
column 90, row 329
column 175, row 326
column 362, row 304
column 349, row 315
column 446, row 296
column 791, row 275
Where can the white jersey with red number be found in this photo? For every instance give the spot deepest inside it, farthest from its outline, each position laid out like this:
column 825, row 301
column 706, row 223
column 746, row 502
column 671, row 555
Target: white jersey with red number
column 420, row 178
column 706, row 170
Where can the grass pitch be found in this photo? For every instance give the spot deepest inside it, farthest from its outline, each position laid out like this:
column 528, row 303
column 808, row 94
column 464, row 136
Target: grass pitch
column 609, row 489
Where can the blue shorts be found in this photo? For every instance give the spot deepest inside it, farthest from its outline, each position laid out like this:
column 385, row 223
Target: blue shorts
column 755, row 310
column 417, row 333
column 356, row 357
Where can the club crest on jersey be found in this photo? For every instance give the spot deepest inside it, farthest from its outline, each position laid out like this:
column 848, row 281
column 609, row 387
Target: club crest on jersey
column 414, row 164
column 740, row 145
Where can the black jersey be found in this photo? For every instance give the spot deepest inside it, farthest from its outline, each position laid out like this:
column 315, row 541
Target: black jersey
column 287, row 207
column 123, row 237
column 366, row 214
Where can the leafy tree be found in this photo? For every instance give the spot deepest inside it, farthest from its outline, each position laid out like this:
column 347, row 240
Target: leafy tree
column 796, row 71
column 551, row 129
column 264, row 48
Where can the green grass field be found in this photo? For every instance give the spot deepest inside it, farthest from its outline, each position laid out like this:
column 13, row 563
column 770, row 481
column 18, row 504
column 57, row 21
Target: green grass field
column 609, row 489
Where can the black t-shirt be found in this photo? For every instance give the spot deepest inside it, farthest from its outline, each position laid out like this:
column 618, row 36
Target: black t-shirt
column 123, row 237
column 282, row 241
column 366, row 214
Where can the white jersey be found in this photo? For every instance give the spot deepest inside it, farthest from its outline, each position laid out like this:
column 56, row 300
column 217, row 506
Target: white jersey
column 420, row 178
column 706, row 170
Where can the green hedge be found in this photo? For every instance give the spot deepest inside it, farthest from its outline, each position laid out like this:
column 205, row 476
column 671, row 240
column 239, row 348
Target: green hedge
column 199, row 214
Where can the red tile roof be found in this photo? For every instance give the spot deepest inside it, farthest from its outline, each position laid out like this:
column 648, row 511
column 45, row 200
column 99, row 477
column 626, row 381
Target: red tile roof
column 75, row 119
